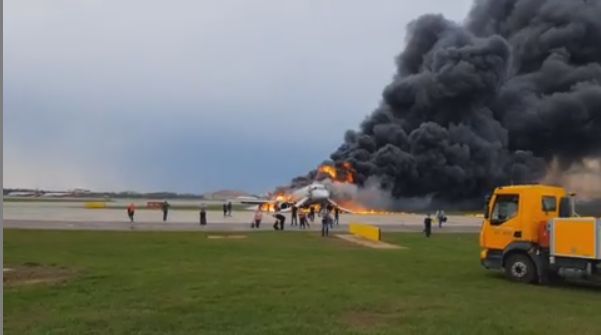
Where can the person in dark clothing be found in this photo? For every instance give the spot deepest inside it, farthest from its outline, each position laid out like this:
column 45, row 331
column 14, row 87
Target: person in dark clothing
column 224, row 209
column 428, row 225
column 165, row 209
column 336, row 215
column 203, row 215
column 326, row 221
column 293, row 216
column 131, row 210
column 279, row 220
column 282, row 219
column 312, row 213
column 441, row 217
column 229, row 208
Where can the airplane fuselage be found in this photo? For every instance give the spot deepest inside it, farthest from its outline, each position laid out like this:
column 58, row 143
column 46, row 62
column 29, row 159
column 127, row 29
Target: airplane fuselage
column 310, row 194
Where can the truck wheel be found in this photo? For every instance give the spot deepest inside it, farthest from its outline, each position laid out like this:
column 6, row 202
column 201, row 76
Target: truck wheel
column 520, row 268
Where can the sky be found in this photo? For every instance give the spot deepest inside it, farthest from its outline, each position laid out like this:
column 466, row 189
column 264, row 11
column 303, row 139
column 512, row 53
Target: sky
column 191, row 96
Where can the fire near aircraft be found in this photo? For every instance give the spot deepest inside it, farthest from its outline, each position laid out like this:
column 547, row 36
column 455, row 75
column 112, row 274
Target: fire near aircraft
column 313, row 194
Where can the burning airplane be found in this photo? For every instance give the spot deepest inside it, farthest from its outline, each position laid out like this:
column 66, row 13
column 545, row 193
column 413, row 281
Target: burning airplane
column 315, row 194
column 325, row 189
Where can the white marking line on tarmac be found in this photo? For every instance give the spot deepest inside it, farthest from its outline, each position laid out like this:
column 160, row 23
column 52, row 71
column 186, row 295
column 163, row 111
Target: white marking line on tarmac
column 368, row 243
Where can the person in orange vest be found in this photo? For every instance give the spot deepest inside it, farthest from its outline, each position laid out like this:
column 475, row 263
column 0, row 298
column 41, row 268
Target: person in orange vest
column 131, row 210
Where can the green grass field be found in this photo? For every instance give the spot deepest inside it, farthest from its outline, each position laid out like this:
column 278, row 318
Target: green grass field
column 275, row 283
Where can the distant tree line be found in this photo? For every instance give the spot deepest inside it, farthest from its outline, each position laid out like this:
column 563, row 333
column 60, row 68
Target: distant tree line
column 132, row 195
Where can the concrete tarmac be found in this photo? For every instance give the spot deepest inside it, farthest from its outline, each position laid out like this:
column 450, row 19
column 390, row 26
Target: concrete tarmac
column 37, row 215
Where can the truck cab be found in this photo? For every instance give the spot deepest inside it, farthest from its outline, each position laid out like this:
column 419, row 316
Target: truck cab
column 526, row 225
column 515, row 214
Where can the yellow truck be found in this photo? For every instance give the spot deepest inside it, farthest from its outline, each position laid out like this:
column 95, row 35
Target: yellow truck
column 532, row 233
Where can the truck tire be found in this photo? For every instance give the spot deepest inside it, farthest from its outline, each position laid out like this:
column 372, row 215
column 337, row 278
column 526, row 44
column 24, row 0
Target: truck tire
column 520, row 268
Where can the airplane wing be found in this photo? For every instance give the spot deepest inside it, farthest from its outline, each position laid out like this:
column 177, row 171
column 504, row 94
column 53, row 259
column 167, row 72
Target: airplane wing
column 342, row 209
column 255, row 201
column 267, row 201
column 301, row 202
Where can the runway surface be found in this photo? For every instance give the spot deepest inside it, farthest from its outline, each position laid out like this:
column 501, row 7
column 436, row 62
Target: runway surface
column 68, row 216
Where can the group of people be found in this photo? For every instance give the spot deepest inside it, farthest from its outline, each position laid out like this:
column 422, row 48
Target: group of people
column 131, row 211
column 440, row 217
column 300, row 218
column 303, row 220
column 227, row 209
column 297, row 218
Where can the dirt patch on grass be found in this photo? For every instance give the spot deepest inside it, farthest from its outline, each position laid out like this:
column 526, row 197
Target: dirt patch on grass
column 388, row 315
column 33, row 273
column 366, row 320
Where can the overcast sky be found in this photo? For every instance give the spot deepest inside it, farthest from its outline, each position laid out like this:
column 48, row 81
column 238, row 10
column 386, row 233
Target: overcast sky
column 191, row 96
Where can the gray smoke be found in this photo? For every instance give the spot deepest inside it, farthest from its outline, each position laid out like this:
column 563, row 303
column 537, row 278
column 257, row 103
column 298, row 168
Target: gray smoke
column 485, row 103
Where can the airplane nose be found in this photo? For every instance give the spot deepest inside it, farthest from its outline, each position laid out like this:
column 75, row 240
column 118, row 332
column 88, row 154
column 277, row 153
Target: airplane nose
column 321, row 194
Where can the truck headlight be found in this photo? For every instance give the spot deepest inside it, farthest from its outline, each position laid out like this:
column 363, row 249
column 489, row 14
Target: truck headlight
column 483, row 254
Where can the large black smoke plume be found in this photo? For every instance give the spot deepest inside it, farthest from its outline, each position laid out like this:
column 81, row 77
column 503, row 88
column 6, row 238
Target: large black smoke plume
column 489, row 102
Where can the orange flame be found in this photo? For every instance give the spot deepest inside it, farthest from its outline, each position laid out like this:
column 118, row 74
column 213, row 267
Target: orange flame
column 277, row 198
column 344, row 174
column 361, row 210
column 328, row 170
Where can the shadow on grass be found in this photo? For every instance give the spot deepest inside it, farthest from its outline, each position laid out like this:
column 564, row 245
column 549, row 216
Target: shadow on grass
column 557, row 284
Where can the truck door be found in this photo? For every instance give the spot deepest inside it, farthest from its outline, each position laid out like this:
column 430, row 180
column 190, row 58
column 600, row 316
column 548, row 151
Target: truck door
column 505, row 225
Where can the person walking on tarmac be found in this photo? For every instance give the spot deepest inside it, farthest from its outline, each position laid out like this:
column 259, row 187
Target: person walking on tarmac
column 428, row 225
column 328, row 211
column 440, row 217
column 131, row 210
column 224, row 209
column 336, row 215
column 165, row 208
column 203, row 215
column 229, row 208
column 293, row 216
column 312, row 213
column 302, row 216
column 257, row 219
column 326, row 221
column 279, row 219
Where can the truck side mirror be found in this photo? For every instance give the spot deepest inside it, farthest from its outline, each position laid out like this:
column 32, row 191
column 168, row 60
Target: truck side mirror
column 486, row 206
column 565, row 207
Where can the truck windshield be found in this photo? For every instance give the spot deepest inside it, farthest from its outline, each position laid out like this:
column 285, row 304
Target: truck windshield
column 506, row 207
